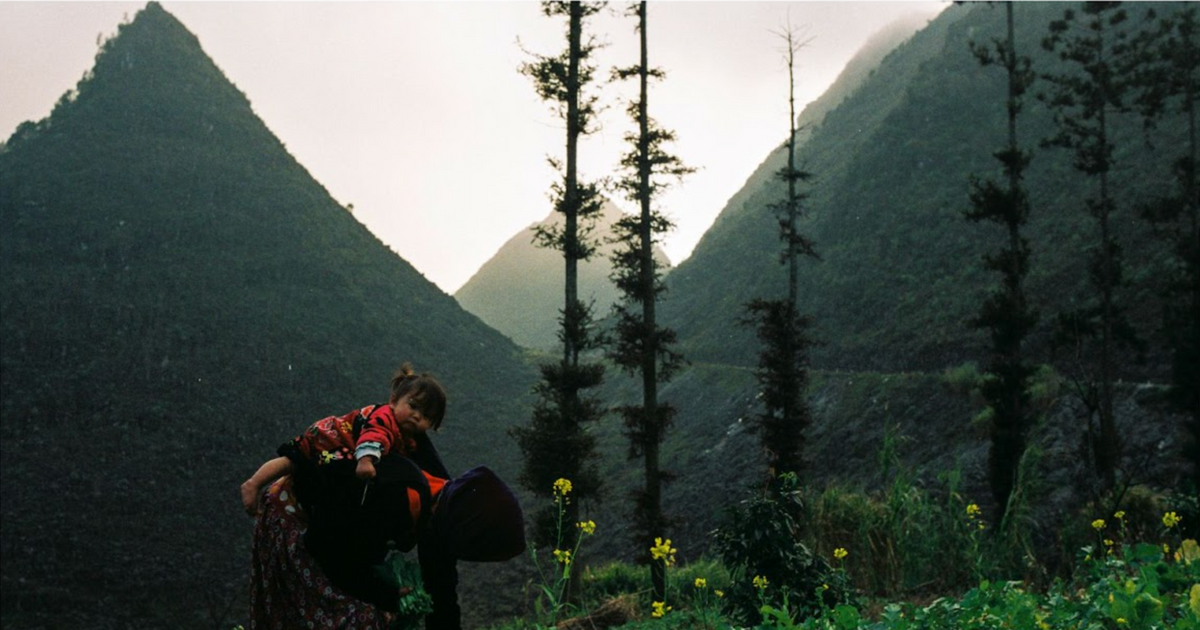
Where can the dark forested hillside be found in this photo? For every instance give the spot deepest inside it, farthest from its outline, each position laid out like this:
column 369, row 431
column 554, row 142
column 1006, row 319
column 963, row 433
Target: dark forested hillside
column 901, row 270
column 518, row 291
column 178, row 297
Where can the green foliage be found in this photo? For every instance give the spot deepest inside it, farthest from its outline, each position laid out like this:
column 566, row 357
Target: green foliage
column 1084, row 95
column 1006, row 314
column 415, row 602
column 782, row 333
column 1137, row 587
column 964, row 378
column 642, row 346
column 901, row 540
column 762, row 538
column 783, row 381
column 1126, row 578
column 556, row 444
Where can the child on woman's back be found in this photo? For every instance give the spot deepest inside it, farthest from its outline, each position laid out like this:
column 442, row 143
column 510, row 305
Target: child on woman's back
column 416, row 405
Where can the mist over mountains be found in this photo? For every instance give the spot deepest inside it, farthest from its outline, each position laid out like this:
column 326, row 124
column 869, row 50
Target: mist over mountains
column 179, row 296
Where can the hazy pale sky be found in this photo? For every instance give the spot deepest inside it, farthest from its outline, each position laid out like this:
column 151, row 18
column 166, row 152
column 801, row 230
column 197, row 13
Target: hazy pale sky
column 415, row 113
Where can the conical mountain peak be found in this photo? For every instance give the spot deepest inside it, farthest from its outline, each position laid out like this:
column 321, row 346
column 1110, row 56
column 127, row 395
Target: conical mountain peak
column 153, row 76
column 179, row 297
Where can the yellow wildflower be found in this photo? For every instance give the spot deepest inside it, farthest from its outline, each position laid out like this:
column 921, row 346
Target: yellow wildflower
column 840, row 553
column 701, row 583
column 562, row 487
column 719, row 593
column 1098, row 524
column 662, row 550
column 1171, row 519
column 760, row 582
column 973, row 510
column 564, row 557
column 1166, row 548
column 660, row 609
column 1120, row 515
column 1121, row 621
column 1108, row 543
column 588, row 527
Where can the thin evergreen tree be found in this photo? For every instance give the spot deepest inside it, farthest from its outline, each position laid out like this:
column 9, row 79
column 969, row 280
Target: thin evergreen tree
column 1006, row 314
column 1085, row 99
column 556, row 444
column 1166, row 81
column 642, row 347
column 783, row 360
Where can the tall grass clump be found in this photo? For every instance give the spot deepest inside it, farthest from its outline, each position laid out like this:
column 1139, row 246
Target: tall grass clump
column 906, row 540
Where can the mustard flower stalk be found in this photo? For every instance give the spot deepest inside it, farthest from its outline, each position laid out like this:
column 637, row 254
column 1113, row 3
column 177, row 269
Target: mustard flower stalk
column 662, row 550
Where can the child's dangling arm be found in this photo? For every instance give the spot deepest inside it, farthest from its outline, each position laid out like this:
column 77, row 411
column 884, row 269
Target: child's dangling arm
column 375, row 439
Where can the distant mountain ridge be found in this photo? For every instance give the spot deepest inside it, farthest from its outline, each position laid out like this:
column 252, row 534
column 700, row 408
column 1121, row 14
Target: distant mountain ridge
column 519, row 290
column 179, row 297
column 901, row 271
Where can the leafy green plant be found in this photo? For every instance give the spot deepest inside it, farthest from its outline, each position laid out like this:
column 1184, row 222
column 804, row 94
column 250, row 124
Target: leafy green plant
column 762, row 540
column 415, row 602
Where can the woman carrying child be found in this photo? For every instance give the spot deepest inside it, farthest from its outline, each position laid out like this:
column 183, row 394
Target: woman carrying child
column 351, row 488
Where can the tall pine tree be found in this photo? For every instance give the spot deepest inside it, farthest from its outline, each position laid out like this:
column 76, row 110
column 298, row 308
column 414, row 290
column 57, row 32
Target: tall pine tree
column 1005, row 314
column 556, row 444
column 642, row 347
column 783, row 361
column 1167, row 83
column 1085, row 98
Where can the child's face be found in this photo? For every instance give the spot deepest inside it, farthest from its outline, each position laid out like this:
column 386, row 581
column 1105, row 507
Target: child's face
column 409, row 419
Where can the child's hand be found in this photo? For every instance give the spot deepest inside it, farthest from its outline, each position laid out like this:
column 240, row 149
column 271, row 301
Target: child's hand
column 365, row 468
column 250, row 497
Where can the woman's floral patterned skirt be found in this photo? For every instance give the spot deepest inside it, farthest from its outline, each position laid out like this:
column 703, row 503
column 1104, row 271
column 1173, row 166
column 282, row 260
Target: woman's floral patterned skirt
column 288, row 590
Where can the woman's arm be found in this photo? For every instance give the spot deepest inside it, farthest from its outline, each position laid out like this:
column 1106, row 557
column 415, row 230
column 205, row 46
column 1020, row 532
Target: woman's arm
column 267, row 473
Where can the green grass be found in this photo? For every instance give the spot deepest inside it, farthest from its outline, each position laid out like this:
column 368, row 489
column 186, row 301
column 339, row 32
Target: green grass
column 926, row 560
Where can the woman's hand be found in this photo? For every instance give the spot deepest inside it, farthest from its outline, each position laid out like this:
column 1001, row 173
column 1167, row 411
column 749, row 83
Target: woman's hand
column 250, row 492
column 263, row 477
